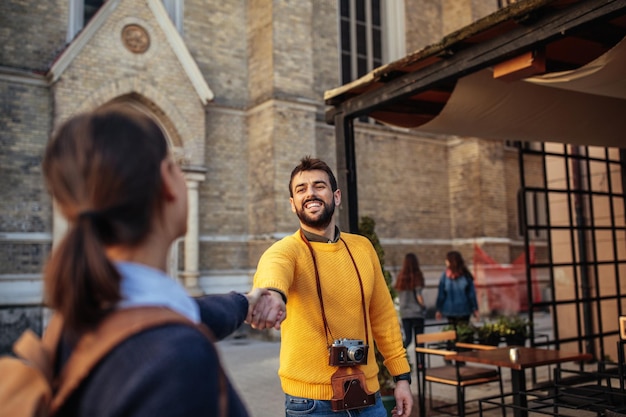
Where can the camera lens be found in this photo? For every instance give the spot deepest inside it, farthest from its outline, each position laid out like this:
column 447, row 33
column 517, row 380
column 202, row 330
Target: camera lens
column 355, row 354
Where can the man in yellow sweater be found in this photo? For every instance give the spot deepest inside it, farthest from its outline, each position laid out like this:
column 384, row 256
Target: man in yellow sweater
column 337, row 305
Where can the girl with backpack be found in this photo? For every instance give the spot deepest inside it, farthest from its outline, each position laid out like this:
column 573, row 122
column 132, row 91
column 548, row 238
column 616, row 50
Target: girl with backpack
column 125, row 198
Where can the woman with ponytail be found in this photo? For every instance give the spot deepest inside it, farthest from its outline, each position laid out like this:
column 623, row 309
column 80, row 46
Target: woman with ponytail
column 125, row 199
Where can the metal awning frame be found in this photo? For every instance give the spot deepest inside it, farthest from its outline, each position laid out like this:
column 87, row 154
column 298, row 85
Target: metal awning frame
column 537, row 29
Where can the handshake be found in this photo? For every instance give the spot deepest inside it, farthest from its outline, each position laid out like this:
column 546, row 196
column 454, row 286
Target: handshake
column 266, row 309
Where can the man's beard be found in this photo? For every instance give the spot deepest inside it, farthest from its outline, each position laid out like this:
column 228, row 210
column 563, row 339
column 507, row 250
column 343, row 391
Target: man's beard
column 324, row 218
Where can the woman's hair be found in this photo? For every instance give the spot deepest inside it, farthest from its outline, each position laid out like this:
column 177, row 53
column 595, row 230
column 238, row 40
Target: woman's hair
column 103, row 171
column 311, row 164
column 457, row 264
column 410, row 275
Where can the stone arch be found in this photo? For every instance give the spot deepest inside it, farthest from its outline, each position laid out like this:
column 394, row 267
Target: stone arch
column 140, row 91
column 157, row 114
column 184, row 131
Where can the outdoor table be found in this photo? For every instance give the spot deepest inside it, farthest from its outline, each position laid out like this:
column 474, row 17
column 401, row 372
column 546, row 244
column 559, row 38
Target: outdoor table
column 528, row 357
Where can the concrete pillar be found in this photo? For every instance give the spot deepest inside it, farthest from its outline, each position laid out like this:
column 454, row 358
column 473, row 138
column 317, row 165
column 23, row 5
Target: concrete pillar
column 191, row 272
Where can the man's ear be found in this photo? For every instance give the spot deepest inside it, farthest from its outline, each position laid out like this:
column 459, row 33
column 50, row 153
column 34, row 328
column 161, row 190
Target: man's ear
column 293, row 206
column 337, row 197
column 167, row 177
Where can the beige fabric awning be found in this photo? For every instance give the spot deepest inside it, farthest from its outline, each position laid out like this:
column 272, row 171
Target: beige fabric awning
column 573, row 107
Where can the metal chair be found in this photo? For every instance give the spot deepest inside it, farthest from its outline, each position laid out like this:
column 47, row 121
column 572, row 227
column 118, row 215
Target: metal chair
column 451, row 373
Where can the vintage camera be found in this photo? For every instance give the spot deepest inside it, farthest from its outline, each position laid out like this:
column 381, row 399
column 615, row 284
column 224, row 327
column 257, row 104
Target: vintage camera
column 348, row 352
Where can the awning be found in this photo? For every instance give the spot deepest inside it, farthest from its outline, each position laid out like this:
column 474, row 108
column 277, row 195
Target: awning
column 583, row 106
column 579, row 95
column 538, row 70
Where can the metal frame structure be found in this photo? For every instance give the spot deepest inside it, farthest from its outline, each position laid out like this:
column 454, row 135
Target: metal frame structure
column 414, row 91
column 582, row 227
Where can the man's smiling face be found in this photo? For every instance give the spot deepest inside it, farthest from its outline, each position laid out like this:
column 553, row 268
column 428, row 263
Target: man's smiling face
column 313, row 200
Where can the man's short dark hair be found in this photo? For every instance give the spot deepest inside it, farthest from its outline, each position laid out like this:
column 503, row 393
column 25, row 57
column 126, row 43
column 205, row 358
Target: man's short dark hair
column 313, row 164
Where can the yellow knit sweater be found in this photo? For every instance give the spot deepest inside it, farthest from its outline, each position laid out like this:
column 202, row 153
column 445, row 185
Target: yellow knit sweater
column 288, row 266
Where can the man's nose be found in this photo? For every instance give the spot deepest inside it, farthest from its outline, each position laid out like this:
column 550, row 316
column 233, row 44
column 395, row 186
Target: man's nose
column 310, row 192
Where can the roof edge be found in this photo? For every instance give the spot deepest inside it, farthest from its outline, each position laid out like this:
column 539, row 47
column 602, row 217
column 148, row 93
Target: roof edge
column 515, row 10
column 84, row 36
column 171, row 33
column 182, row 53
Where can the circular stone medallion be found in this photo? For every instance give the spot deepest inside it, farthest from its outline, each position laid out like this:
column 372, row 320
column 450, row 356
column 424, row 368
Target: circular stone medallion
column 135, row 38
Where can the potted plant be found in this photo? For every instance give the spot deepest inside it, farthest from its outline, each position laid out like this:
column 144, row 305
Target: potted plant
column 385, row 379
column 464, row 331
column 515, row 329
column 488, row 334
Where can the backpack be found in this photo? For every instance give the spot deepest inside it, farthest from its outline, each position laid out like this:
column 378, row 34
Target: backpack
column 28, row 386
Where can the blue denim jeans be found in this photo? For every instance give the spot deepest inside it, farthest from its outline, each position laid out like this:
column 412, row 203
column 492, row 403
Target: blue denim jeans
column 298, row 406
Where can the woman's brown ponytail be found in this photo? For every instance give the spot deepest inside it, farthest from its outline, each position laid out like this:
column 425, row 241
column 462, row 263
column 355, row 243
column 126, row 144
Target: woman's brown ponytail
column 109, row 199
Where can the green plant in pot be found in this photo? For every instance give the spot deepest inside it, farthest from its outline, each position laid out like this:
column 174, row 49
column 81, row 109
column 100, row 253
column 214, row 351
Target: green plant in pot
column 515, row 329
column 488, row 334
column 385, row 379
column 464, row 331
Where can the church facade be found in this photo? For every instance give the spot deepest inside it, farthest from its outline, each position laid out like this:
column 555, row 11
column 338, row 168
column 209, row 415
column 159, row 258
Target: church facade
column 238, row 86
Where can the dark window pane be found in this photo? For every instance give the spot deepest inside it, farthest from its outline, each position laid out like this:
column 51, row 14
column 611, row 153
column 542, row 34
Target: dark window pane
column 361, row 40
column 361, row 64
column 346, row 73
column 345, row 8
column 377, row 46
column 345, row 35
column 90, row 9
column 376, row 12
column 360, row 10
column 377, row 63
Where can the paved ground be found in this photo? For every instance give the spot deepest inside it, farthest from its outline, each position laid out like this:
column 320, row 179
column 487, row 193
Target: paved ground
column 252, row 366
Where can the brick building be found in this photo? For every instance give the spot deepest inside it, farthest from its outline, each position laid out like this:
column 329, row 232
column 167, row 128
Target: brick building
column 238, row 88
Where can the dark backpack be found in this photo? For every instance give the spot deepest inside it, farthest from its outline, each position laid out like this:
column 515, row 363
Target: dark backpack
column 28, row 386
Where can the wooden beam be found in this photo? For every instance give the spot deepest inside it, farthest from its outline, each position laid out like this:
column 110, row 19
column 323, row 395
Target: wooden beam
column 523, row 66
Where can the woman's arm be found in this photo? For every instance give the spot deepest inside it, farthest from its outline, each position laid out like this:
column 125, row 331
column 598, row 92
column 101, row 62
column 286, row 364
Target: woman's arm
column 223, row 313
column 420, row 298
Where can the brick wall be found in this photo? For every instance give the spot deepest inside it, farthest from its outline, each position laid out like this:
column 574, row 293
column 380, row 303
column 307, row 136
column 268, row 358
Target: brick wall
column 215, row 33
column 32, row 32
column 268, row 63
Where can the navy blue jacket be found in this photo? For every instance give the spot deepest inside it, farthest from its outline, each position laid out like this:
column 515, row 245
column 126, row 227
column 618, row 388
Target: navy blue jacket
column 167, row 371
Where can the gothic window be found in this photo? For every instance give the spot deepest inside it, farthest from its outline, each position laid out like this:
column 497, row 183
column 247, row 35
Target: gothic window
column 372, row 33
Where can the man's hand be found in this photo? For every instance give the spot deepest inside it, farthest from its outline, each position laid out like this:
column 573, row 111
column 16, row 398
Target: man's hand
column 266, row 309
column 404, row 399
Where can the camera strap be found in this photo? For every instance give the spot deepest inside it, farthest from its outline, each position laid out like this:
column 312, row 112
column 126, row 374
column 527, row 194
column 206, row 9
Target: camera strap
column 319, row 289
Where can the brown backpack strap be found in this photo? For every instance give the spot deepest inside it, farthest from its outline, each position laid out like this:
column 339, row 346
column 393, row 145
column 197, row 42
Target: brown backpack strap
column 115, row 328
column 40, row 352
